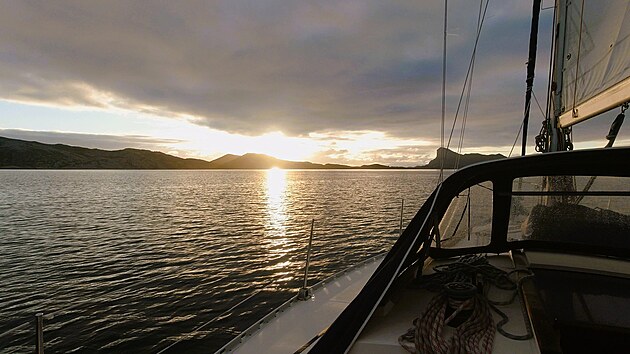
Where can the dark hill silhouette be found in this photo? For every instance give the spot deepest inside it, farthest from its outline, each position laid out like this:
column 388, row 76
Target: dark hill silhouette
column 375, row 166
column 29, row 154
column 224, row 159
column 451, row 157
column 260, row 161
column 16, row 153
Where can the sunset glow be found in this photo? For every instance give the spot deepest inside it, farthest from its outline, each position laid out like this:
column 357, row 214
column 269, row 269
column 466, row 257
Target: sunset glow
column 207, row 143
column 368, row 93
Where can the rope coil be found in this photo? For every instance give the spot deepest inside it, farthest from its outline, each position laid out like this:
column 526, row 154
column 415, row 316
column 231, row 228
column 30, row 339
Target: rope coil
column 460, row 294
column 475, row 335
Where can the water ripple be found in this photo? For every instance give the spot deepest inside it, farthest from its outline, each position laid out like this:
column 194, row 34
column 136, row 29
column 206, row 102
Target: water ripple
column 137, row 260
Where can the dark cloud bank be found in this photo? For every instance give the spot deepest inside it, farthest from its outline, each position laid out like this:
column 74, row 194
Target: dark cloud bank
column 256, row 66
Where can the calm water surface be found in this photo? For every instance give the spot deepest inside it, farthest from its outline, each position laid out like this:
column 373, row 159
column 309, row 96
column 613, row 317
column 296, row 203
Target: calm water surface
column 139, row 260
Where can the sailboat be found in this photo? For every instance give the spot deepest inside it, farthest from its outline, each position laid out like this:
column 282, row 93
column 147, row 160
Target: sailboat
column 523, row 255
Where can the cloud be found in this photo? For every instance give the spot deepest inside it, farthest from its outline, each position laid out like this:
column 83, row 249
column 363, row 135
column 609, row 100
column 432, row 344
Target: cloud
column 97, row 141
column 367, row 147
column 254, row 67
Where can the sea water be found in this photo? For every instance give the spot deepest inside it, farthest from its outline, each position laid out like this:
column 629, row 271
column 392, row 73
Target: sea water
column 134, row 261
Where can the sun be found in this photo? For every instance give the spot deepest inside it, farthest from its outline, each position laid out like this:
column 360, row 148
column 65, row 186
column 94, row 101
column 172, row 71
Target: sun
column 196, row 141
column 280, row 146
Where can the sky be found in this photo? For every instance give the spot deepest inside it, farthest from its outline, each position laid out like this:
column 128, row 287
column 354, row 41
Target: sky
column 351, row 82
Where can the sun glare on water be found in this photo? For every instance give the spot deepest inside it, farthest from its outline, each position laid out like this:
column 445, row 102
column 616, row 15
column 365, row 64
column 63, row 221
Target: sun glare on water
column 276, row 203
column 276, row 238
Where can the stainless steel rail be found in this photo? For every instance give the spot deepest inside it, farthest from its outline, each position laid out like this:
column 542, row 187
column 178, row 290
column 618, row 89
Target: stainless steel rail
column 305, row 292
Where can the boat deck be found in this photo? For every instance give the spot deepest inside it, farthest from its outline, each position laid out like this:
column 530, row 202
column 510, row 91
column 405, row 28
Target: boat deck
column 382, row 332
column 299, row 322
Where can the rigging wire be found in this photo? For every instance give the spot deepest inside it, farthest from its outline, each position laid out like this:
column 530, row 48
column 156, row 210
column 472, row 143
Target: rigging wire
column 466, row 89
column 542, row 139
column 552, row 47
column 520, row 129
column 550, row 84
column 611, row 137
column 577, row 64
column 223, row 314
column 441, row 176
column 538, row 104
column 518, row 134
column 468, row 73
column 460, row 143
column 467, row 102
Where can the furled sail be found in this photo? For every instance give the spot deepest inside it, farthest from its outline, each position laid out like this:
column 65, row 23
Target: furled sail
column 593, row 58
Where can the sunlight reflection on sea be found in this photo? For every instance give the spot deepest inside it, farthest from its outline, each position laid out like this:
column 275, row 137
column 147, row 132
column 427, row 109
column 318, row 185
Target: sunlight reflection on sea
column 135, row 260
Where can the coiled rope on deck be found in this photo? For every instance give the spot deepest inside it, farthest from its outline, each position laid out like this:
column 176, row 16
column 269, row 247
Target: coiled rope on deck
column 476, row 333
column 468, row 268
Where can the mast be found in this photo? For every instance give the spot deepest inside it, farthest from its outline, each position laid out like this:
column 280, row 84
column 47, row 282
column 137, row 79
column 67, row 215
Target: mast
column 553, row 137
column 555, row 132
column 531, row 68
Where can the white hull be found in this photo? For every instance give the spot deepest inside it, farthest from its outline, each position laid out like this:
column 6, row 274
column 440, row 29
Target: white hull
column 295, row 323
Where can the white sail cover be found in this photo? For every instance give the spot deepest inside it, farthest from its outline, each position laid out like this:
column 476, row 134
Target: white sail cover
column 598, row 55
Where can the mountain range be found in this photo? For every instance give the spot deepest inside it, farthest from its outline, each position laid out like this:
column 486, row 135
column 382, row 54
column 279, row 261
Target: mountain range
column 22, row 154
